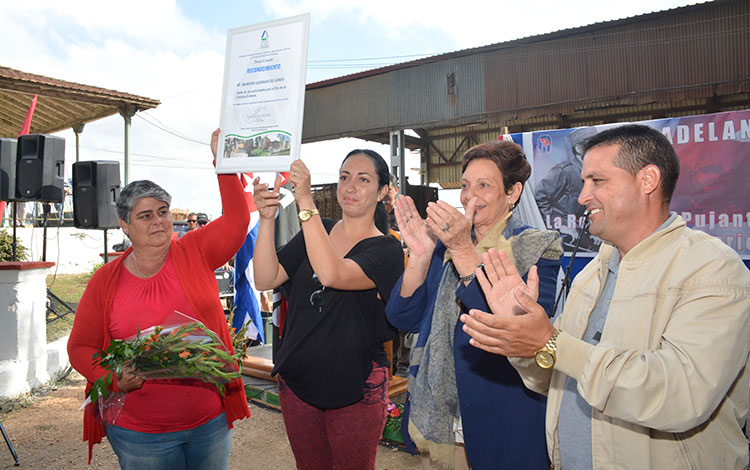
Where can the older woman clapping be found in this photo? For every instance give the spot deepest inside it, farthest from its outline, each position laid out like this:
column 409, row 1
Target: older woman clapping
column 451, row 384
column 175, row 424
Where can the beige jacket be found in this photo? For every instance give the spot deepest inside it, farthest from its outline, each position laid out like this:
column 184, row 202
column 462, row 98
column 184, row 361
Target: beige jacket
column 668, row 383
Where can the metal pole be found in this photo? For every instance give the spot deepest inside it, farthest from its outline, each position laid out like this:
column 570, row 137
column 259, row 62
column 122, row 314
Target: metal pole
column 15, row 219
column 10, row 446
column 106, row 254
column 45, row 211
column 398, row 159
column 77, row 129
column 127, row 114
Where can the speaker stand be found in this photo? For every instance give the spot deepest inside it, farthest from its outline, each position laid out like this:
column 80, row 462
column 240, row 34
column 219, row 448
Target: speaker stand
column 15, row 223
column 10, row 446
column 106, row 253
column 45, row 210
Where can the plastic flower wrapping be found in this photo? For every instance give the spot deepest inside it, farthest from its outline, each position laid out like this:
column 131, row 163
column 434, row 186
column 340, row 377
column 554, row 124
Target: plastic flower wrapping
column 181, row 348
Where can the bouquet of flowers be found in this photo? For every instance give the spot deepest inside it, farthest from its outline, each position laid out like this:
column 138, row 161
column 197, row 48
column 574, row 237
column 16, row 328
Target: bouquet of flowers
column 180, row 348
column 394, row 417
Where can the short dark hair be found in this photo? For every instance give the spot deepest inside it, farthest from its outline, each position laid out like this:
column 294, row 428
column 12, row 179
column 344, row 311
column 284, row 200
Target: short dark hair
column 509, row 158
column 136, row 191
column 641, row 146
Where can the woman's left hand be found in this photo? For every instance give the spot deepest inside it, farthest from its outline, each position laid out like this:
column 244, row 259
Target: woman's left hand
column 215, row 143
column 451, row 226
column 299, row 176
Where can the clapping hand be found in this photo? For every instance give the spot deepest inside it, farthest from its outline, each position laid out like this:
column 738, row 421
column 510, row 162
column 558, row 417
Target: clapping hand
column 518, row 325
column 417, row 237
column 451, row 226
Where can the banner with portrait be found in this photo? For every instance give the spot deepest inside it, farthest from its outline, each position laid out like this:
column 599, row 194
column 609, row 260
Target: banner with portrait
column 714, row 153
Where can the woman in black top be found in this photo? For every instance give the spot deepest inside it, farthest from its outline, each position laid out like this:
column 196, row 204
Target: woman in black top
column 333, row 379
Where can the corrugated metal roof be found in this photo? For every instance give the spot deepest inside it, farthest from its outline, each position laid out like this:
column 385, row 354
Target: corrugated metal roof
column 474, row 50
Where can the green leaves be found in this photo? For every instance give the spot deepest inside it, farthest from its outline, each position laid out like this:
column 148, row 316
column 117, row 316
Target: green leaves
column 188, row 351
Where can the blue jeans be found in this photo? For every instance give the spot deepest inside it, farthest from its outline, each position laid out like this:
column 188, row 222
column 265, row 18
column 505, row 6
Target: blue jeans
column 203, row 447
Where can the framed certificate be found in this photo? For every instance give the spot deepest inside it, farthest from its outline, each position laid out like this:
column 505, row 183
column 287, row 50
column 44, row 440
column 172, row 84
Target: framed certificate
column 263, row 97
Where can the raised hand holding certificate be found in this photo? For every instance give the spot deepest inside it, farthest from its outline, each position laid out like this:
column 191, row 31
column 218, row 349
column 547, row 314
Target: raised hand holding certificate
column 263, row 97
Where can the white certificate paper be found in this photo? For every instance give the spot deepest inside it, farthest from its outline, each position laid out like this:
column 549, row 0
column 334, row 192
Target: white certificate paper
column 263, row 97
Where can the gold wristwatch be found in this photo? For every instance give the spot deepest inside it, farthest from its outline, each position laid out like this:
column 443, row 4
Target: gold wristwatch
column 305, row 214
column 545, row 357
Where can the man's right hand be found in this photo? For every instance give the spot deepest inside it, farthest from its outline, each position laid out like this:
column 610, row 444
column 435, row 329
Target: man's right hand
column 518, row 325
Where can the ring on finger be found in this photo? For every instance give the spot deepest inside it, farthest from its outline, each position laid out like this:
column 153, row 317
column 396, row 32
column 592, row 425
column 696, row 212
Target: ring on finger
column 447, row 227
column 295, row 173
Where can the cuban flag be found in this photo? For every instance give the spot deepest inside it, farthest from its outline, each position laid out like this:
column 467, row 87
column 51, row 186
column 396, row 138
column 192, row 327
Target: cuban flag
column 246, row 298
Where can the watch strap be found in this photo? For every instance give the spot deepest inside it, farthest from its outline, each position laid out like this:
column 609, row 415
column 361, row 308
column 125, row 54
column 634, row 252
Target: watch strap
column 470, row 277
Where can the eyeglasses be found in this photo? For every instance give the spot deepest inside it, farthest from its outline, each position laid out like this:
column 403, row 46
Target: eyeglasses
column 202, row 223
column 316, row 298
column 190, row 221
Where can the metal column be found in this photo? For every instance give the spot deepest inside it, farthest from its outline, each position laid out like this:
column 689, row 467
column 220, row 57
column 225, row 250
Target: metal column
column 127, row 114
column 398, row 159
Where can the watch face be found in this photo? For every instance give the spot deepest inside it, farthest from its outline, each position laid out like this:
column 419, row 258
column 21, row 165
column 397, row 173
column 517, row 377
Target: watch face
column 305, row 215
column 544, row 359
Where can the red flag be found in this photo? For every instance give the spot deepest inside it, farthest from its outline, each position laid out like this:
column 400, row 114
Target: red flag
column 27, row 123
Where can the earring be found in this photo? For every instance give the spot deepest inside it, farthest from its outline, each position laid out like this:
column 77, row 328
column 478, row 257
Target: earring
column 512, row 205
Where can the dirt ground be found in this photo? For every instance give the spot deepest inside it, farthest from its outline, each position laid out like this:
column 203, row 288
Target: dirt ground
column 47, row 435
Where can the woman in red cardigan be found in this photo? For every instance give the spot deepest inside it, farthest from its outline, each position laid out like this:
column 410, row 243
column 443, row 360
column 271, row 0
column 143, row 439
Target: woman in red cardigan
column 175, row 424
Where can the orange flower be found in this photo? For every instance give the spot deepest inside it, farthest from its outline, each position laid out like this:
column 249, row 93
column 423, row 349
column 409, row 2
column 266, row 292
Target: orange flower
column 184, row 354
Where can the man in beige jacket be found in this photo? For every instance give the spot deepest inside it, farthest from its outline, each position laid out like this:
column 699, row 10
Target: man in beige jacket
column 647, row 365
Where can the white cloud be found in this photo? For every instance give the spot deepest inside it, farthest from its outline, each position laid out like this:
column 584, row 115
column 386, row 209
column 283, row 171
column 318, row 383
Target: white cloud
column 469, row 24
column 148, row 48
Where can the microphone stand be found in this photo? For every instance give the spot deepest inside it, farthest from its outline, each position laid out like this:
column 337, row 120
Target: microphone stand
column 566, row 280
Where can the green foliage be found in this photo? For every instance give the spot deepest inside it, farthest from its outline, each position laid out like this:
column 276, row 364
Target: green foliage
column 96, row 267
column 190, row 351
column 6, row 248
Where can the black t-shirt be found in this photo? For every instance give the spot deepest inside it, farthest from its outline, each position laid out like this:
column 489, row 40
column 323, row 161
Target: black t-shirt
column 327, row 353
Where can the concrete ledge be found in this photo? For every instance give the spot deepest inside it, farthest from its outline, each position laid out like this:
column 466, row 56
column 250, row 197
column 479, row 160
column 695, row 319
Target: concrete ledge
column 23, row 338
column 21, row 376
column 20, row 265
column 57, row 356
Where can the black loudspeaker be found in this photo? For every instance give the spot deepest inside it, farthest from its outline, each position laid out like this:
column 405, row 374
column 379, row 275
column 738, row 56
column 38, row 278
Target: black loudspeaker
column 96, row 187
column 40, row 168
column 8, row 155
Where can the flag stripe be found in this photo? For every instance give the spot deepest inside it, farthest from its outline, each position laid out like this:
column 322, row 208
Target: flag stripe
column 246, row 298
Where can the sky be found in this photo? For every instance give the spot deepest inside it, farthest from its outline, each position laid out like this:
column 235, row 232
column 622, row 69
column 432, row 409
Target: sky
column 173, row 51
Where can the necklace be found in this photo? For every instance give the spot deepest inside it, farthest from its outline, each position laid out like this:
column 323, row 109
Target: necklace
column 135, row 263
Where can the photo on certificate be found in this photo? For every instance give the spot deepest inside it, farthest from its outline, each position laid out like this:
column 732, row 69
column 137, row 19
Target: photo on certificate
column 263, row 96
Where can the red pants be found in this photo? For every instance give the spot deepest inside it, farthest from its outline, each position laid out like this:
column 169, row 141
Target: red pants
column 341, row 438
